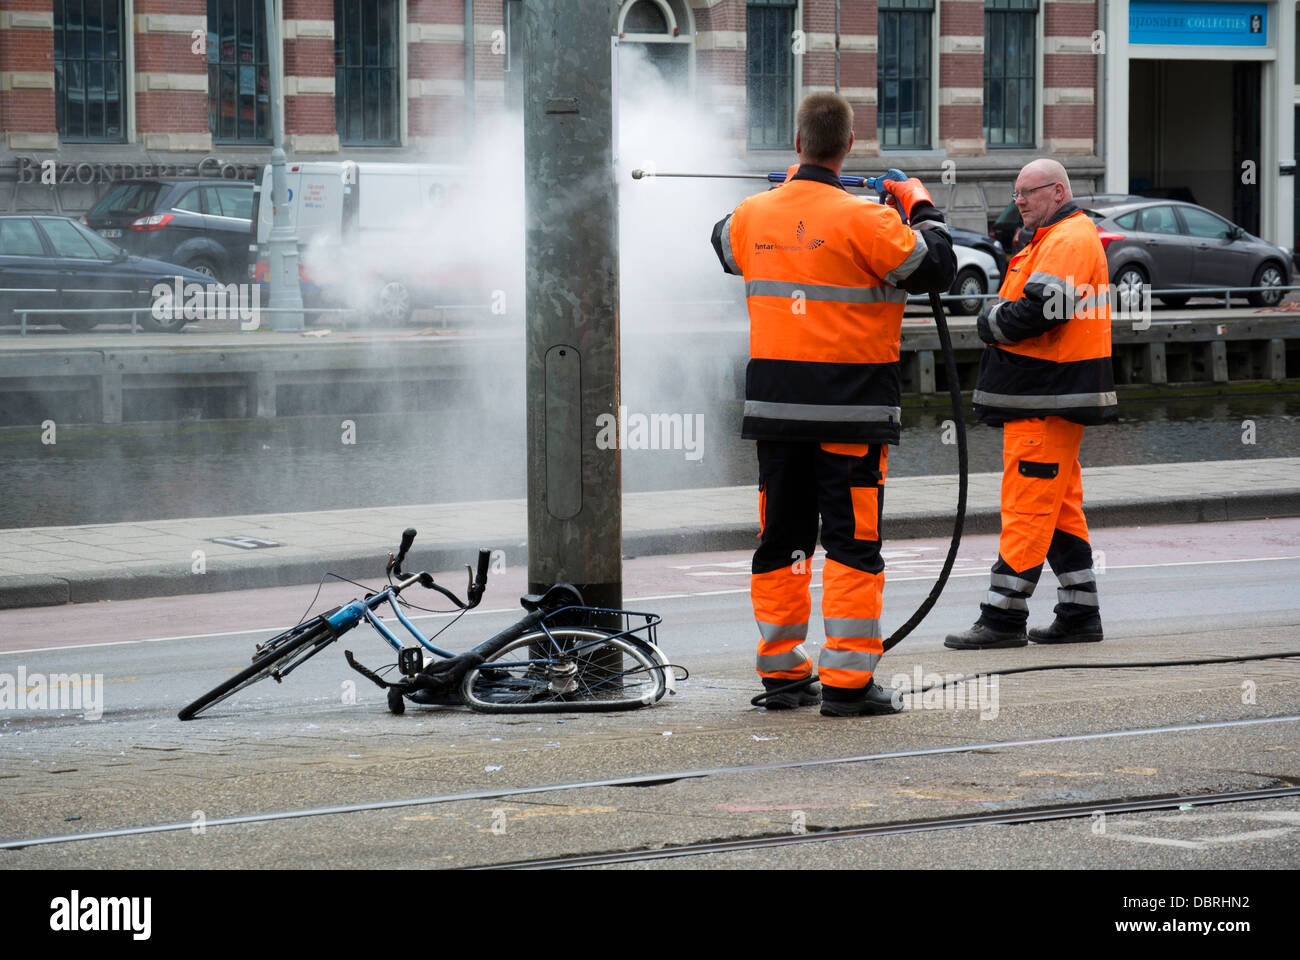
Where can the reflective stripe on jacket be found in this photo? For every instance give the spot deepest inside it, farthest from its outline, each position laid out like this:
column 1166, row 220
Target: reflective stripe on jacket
column 1049, row 330
column 822, row 271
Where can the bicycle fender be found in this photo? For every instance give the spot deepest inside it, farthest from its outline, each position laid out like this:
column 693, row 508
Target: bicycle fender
column 670, row 676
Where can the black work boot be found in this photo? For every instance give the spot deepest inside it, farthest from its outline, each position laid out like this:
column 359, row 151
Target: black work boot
column 983, row 637
column 1088, row 631
column 803, row 697
column 871, row 700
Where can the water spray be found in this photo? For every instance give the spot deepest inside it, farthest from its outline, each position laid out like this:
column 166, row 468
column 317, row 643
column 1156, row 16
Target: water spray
column 954, row 392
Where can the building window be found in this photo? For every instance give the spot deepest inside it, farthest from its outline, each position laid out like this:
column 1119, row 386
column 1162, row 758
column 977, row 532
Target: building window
column 1009, row 61
column 365, row 72
column 769, row 73
column 661, row 30
column 903, row 73
column 239, row 80
column 88, row 78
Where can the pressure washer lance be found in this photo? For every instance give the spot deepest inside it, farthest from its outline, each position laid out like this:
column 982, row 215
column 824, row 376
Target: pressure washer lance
column 769, row 177
column 954, row 393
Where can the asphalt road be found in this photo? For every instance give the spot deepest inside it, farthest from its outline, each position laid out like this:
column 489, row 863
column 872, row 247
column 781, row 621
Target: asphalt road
column 325, row 737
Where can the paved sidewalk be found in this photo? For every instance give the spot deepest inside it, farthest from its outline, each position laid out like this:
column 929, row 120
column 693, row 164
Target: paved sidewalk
column 53, row 565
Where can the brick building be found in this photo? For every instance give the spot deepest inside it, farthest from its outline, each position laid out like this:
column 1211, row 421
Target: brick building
column 961, row 92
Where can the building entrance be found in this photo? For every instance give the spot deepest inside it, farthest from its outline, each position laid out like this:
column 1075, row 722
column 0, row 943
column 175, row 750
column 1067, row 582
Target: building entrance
column 1194, row 134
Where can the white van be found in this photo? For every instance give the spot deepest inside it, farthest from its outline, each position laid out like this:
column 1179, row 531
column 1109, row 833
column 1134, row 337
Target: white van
column 375, row 236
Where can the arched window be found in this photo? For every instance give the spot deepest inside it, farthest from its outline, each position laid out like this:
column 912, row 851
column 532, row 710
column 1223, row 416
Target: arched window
column 667, row 30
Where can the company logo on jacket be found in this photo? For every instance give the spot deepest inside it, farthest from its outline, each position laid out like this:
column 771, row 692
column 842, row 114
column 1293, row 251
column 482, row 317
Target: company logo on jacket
column 802, row 244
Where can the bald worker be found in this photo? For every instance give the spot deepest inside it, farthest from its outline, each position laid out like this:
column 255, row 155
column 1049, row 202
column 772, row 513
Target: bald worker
column 1044, row 375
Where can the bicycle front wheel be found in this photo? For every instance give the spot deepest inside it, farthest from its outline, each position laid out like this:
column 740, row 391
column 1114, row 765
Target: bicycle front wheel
column 568, row 670
column 272, row 655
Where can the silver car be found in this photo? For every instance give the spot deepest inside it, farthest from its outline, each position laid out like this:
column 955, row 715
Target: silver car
column 1171, row 245
column 977, row 275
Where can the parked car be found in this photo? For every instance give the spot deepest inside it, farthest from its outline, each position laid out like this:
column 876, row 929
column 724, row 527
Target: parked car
column 987, row 244
column 199, row 223
column 1009, row 230
column 54, row 263
column 1006, row 227
column 977, row 274
column 1168, row 245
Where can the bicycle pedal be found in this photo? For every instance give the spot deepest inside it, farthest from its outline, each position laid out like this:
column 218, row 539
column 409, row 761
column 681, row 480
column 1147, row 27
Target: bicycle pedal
column 410, row 661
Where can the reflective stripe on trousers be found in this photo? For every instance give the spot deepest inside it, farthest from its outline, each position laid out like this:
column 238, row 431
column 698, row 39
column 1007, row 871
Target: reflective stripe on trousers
column 1077, row 596
column 851, row 607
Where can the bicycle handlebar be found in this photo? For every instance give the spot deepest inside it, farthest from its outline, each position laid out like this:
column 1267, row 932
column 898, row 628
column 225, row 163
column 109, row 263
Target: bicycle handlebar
column 395, row 563
column 477, row 579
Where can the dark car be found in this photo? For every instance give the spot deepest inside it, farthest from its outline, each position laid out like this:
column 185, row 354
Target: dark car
column 55, row 263
column 1006, row 227
column 199, row 223
column 1169, row 245
column 990, row 245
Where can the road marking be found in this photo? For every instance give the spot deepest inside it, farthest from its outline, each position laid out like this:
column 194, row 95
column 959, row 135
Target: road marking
column 1191, row 563
column 955, row 575
column 715, row 563
column 1274, row 816
column 1202, row 842
column 1157, row 841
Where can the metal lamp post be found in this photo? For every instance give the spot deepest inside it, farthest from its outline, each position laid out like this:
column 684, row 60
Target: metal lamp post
column 285, row 293
column 574, row 486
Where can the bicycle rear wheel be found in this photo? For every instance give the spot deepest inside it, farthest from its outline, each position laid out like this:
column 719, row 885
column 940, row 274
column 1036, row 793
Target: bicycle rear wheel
column 569, row 670
column 273, row 654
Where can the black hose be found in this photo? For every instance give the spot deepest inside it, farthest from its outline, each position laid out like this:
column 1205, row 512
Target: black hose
column 958, row 414
column 959, row 418
column 1246, row 658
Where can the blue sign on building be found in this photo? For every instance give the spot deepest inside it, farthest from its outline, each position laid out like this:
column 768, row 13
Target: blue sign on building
column 1198, row 24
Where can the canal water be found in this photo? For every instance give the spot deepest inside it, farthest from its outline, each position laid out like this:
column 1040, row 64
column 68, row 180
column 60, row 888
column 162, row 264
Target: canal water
column 155, row 471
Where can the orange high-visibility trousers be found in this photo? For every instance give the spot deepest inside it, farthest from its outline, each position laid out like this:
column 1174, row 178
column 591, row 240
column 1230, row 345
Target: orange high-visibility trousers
column 1042, row 519
column 843, row 484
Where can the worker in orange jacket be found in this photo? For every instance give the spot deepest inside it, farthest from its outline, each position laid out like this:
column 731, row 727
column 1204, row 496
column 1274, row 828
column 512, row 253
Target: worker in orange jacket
column 826, row 276
column 1044, row 376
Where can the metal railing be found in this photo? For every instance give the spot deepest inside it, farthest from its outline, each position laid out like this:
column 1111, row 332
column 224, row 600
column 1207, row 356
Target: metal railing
column 1225, row 292
column 134, row 311
column 220, row 313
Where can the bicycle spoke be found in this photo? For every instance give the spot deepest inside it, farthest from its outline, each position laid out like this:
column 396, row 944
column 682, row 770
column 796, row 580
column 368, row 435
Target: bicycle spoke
column 587, row 669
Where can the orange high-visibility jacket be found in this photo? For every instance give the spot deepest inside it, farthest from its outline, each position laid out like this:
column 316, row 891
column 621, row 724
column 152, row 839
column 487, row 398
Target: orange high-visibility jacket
column 822, row 270
column 1049, row 331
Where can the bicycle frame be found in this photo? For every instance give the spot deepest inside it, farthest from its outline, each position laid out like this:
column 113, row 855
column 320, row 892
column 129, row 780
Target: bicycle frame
column 346, row 617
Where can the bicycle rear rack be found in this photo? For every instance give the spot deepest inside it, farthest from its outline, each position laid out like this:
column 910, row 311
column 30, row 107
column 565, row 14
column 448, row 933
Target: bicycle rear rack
column 624, row 622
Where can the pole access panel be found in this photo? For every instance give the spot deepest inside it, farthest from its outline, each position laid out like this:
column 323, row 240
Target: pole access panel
column 571, row 283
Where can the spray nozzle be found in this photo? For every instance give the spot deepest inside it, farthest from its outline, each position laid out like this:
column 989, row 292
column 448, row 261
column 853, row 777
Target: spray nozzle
column 878, row 183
